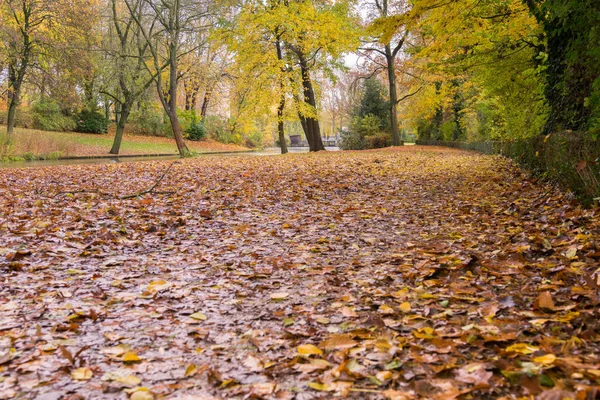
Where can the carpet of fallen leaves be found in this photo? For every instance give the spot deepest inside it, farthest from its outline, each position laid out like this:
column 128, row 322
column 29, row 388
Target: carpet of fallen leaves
column 398, row 274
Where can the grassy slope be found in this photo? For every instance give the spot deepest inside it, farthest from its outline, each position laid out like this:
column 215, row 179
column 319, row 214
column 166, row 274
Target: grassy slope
column 43, row 144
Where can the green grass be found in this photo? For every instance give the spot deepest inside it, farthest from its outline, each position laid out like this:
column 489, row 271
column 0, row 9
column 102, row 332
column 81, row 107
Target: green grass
column 33, row 144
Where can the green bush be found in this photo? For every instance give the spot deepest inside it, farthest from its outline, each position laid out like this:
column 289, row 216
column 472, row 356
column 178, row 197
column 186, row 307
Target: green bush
column 365, row 133
column 191, row 125
column 24, row 118
column 89, row 121
column 351, row 140
column 196, row 131
column 218, row 129
column 149, row 121
column 377, row 141
column 47, row 116
column 254, row 140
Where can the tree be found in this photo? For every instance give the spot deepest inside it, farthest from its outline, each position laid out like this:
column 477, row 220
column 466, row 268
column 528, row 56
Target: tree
column 281, row 44
column 460, row 60
column 572, row 61
column 128, row 55
column 23, row 22
column 165, row 25
column 382, row 50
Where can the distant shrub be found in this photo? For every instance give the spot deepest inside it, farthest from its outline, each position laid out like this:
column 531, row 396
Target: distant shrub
column 149, row 121
column 351, row 140
column 196, row 131
column 218, row 129
column 365, row 133
column 377, row 141
column 47, row 116
column 24, row 118
column 191, row 125
column 253, row 140
column 89, row 121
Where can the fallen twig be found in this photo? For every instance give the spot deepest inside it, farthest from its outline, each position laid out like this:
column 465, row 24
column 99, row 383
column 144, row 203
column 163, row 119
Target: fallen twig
column 138, row 194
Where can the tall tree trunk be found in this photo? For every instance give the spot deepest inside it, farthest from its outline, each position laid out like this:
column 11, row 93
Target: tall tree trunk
column 205, row 101
column 281, row 108
column 280, row 126
column 172, row 105
column 396, row 140
column 15, row 82
column 11, row 119
column 313, row 130
column 125, row 111
column 438, row 118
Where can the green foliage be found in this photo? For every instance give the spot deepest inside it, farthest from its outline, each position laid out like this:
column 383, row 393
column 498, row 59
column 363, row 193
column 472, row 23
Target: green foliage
column 196, row 131
column 365, row 133
column 571, row 56
column 24, row 118
column 149, row 121
column 374, row 103
column 219, row 130
column 47, row 116
column 370, row 121
column 378, row 141
column 191, row 125
column 89, row 121
column 351, row 140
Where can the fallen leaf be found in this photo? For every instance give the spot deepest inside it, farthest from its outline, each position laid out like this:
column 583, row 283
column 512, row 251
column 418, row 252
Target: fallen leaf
column 337, row 342
column 130, row 356
column 82, row 374
column 309, row 349
column 279, row 296
column 198, row 316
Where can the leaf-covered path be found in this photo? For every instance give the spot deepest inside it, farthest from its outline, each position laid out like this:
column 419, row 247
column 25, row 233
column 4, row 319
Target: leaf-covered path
column 407, row 273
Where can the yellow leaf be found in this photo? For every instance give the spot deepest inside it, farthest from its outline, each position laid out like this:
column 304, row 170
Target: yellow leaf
column 384, row 375
column 309, row 349
column 322, row 387
column 279, row 296
column 129, row 380
column 113, row 351
column 198, row 316
column 545, row 359
column 571, row 252
column 385, row 309
column 522, row 348
column 82, row 374
column 191, row 370
column 424, row 333
column 130, row 356
column 405, row 307
column 142, row 395
column 157, row 286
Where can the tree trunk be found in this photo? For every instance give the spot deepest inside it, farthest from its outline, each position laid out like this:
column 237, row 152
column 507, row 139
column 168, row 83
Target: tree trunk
column 125, row 111
column 312, row 130
column 178, row 134
column 205, row 102
column 15, row 81
column 12, row 113
column 396, row 140
column 281, row 108
column 172, row 104
column 280, row 126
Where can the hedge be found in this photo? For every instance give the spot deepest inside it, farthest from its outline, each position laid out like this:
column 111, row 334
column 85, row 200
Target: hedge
column 572, row 159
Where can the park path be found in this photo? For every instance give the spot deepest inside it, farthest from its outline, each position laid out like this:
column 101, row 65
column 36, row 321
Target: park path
column 406, row 273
